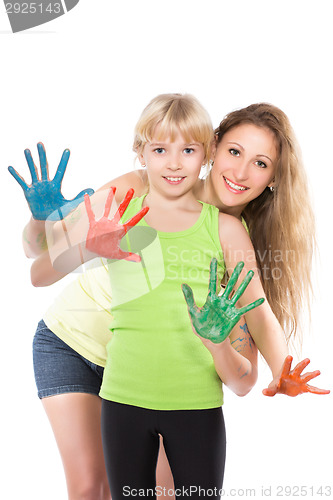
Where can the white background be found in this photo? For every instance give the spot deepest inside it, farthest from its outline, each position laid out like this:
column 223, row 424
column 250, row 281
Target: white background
column 81, row 82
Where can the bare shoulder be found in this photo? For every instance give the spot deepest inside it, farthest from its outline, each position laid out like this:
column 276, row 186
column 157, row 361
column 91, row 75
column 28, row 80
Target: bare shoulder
column 233, row 234
column 228, row 224
column 137, row 180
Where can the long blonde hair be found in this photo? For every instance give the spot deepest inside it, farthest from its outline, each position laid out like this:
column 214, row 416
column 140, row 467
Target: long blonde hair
column 281, row 223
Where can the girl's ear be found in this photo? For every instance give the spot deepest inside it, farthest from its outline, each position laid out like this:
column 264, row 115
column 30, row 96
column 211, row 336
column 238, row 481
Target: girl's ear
column 141, row 160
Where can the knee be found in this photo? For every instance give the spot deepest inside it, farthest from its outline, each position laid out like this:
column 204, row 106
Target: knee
column 91, row 489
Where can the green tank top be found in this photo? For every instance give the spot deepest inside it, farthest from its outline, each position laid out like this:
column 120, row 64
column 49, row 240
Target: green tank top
column 154, row 360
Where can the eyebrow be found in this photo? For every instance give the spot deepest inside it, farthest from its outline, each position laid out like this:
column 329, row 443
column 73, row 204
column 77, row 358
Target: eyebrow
column 241, row 147
column 160, row 144
column 265, row 156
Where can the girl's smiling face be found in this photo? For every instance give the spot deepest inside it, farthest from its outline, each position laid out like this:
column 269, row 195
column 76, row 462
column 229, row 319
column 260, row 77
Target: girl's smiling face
column 244, row 166
column 173, row 166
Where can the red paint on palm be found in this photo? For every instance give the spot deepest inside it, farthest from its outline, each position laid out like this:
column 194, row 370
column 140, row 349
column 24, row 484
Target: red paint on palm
column 104, row 235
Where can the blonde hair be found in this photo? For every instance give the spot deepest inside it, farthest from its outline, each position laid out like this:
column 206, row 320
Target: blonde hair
column 175, row 113
column 281, row 223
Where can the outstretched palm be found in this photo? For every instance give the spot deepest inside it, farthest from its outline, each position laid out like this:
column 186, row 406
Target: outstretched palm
column 104, row 236
column 292, row 382
column 215, row 320
column 44, row 196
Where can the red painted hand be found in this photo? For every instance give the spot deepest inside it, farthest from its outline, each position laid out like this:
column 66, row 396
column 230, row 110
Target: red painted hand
column 104, row 236
column 291, row 382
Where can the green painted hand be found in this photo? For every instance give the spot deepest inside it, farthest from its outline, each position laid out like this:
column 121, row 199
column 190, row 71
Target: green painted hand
column 215, row 320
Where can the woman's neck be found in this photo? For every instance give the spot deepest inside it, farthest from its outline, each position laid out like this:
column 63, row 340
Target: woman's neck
column 204, row 191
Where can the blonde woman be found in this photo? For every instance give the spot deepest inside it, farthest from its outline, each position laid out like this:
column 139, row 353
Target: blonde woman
column 257, row 174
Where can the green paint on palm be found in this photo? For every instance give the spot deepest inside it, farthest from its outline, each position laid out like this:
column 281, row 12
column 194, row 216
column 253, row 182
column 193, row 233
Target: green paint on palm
column 215, row 320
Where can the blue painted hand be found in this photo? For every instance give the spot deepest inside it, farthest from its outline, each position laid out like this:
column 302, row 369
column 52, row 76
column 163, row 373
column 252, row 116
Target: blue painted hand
column 44, row 196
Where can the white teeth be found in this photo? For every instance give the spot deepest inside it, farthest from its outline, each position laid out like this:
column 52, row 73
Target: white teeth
column 174, row 178
column 234, row 186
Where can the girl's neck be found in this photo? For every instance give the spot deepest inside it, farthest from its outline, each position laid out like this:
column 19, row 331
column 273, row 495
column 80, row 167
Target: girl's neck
column 186, row 202
column 171, row 215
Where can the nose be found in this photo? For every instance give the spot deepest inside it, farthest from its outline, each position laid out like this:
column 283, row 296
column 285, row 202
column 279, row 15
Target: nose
column 241, row 171
column 175, row 162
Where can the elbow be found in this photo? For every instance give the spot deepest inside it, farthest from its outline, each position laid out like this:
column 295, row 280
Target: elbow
column 243, row 392
column 28, row 252
column 41, row 277
column 37, row 276
column 35, row 280
column 249, row 381
column 39, row 281
column 240, row 390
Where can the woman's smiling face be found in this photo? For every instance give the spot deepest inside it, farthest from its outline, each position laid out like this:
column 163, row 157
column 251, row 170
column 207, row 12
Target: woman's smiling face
column 244, row 166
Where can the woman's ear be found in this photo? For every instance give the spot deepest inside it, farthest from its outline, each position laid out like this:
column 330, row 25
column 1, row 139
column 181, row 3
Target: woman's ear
column 213, row 149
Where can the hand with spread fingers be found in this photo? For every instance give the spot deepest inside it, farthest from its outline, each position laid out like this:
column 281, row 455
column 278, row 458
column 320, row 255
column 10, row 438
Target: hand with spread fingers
column 215, row 320
column 104, row 235
column 292, row 382
column 44, row 196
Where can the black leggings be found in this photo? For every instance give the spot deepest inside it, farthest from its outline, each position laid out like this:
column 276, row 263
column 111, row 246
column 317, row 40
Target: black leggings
column 194, row 442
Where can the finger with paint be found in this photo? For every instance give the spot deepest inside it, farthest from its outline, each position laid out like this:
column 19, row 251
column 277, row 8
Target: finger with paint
column 292, row 382
column 43, row 195
column 215, row 320
column 104, row 236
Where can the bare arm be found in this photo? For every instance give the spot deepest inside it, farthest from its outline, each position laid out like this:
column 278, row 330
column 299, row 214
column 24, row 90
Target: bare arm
column 34, row 234
column 88, row 232
column 262, row 323
column 34, row 238
column 217, row 324
column 42, row 272
column 267, row 333
column 236, row 359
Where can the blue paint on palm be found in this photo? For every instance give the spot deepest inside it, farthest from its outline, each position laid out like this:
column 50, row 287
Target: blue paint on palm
column 44, row 196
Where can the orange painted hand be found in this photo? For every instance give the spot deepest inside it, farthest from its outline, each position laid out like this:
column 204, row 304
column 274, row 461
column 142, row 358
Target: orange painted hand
column 104, row 236
column 291, row 382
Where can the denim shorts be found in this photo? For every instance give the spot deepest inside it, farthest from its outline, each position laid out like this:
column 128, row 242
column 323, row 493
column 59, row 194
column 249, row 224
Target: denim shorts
column 59, row 369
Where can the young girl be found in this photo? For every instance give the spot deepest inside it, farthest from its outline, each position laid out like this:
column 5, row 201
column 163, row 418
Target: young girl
column 160, row 378
column 92, row 291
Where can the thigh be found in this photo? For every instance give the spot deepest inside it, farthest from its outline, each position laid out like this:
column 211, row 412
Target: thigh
column 68, row 385
column 164, row 480
column 195, row 443
column 131, row 443
column 75, row 420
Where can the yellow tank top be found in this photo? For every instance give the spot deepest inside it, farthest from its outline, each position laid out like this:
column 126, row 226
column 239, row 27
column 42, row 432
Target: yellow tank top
column 80, row 315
